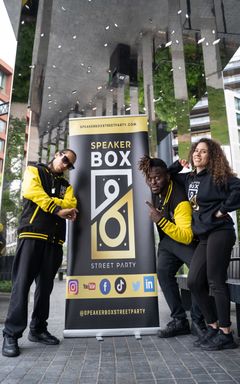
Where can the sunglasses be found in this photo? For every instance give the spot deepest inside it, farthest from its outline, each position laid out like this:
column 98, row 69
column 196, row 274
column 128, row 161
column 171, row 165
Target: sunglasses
column 65, row 160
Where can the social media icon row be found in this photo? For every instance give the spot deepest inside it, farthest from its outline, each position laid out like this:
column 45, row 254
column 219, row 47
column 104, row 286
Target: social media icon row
column 120, row 285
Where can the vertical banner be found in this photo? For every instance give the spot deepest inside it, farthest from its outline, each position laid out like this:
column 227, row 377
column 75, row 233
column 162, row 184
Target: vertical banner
column 111, row 283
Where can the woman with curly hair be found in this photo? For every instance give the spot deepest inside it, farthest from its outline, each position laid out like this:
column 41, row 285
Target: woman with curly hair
column 171, row 211
column 213, row 191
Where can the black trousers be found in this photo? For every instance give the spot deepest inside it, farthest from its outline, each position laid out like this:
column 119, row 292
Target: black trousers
column 209, row 270
column 36, row 260
column 171, row 256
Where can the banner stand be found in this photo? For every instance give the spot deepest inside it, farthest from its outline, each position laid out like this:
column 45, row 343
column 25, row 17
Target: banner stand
column 111, row 283
column 137, row 332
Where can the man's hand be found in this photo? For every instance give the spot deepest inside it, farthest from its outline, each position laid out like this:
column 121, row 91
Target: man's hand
column 68, row 213
column 154, row 213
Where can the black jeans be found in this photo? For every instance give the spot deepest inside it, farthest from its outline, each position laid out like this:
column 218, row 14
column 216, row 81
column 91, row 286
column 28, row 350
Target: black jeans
column 171, row 256
column 34, row 260
column 209, row 270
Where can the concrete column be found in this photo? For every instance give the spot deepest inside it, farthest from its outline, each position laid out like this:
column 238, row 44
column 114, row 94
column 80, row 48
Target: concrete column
column 99, row 106
column 33, row 144
column 66, row 133
column 213, row 73
column 147, row 53
column 61, row 144
column 177, row 51
column 179, row 78
column 109, row 103
column 120, row 100
column 134, row 100
column 211, row 54
column 165, row 151
column 53, row 142
column 44, row 151
column 89, row 112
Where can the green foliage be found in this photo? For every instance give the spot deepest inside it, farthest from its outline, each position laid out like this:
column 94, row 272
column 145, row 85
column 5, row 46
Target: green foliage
column 13, row 172
column 5, row 286
column 23, row 61
column 166, row 108
column 217, row 112
column 238, row 223
column 194, row 72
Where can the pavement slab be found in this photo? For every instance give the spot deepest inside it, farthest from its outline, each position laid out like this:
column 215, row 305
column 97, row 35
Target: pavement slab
column 115, row 360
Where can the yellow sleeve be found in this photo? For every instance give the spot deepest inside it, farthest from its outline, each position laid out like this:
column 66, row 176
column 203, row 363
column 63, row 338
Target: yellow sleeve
column 69, row 200
column 181, row 230
column 32, row 189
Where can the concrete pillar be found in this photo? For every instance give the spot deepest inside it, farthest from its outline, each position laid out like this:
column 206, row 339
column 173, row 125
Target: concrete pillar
column 179, row 78
column 177, row 51
column 134, row 100
column 147, row 53
column 53, row 142
column 211, row 54
column 89, row 112
column 120, row 100
column 165, row 151
column 213, row 73
column 99, row 107
column 109, row 103
column 44, row 149
column 33, row 144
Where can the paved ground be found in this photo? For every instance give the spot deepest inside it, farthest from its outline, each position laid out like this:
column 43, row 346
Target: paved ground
column 116, row 360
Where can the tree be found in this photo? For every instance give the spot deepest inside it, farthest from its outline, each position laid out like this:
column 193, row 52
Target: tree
column 23, row 62
column 13, row 172
column 166, row 108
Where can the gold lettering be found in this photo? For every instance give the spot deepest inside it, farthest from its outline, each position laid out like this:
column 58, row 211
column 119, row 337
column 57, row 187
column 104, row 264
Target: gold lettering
column 118, row 144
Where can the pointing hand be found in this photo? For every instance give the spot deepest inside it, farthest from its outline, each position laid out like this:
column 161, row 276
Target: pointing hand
column 154, row 213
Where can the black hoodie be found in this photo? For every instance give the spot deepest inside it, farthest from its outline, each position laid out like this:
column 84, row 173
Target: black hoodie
column 207, row 198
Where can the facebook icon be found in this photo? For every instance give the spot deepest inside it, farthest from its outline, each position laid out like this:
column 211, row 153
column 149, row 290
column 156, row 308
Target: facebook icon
column 105, row 286
column 149, row 284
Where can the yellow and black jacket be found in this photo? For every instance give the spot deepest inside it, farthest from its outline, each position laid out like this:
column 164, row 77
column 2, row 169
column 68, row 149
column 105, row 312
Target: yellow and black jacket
column 177, row 214
column 44, row 193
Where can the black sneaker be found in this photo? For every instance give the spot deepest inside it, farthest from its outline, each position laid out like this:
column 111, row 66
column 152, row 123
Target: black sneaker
column 207, row 335
column 175, row 327
column 10, row 346
column 220, row 341
column 198, row 329
column 44, row 338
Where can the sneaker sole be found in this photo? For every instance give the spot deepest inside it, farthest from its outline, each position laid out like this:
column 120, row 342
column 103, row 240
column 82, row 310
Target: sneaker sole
column 6, row 354
column 36, row 340
column 227, row 346
column 179, row 333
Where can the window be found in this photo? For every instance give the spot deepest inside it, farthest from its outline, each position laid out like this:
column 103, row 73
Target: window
column 2, row 79
column 2, row 126
column 1, row 145
column 238, row 119
column 237, row 103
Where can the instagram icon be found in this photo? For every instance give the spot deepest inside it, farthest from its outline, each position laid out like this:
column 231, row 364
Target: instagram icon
column 73, row 287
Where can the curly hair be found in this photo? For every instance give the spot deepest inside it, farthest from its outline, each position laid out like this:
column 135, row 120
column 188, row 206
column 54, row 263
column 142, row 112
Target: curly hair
column 146, row 163
column 218, row 165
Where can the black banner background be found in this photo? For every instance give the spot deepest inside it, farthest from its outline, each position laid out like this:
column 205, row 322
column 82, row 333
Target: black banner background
column 121, row 310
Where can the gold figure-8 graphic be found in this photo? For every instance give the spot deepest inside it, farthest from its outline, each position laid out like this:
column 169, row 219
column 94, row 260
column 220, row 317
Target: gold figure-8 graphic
column 112, row 228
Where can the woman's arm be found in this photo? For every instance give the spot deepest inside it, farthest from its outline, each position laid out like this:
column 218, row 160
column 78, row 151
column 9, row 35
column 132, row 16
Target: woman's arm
column 174, row 170
column 233, row 200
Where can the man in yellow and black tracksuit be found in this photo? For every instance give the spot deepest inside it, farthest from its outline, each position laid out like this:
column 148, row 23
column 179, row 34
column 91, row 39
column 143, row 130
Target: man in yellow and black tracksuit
column 172, row 213
column 48, row 200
